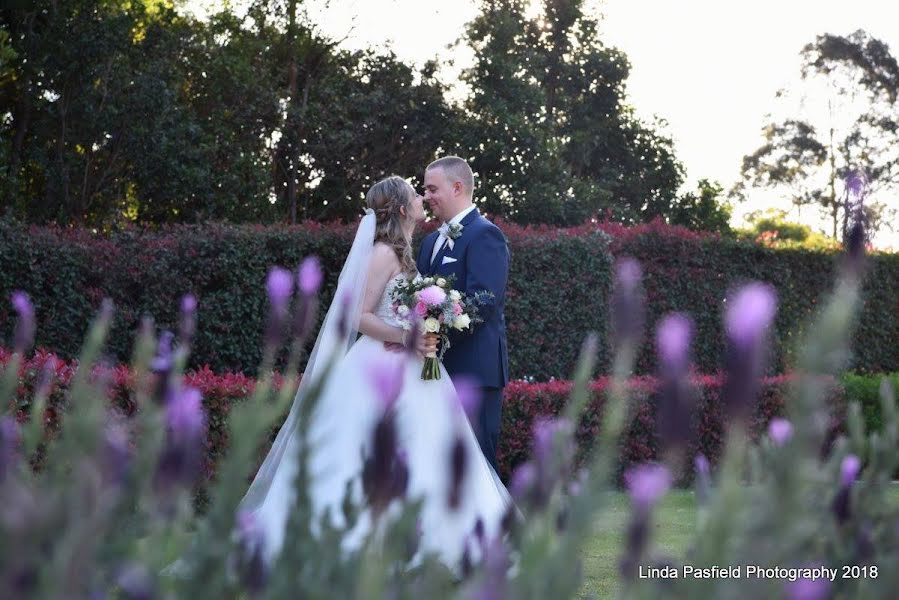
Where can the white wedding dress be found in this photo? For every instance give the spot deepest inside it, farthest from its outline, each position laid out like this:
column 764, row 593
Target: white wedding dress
column 429, row 419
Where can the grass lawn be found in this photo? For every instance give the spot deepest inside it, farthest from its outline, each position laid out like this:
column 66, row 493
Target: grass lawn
column 673, row 522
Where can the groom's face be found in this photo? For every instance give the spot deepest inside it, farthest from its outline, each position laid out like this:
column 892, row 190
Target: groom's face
column 438, row 192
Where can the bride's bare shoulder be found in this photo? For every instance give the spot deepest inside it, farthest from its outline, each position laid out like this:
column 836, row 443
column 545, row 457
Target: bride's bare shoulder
column 384, row 256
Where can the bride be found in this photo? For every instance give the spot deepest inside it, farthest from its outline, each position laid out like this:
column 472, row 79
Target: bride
column 429, row 419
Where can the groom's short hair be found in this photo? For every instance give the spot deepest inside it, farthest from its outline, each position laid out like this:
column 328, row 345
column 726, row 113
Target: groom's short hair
column 456, row 169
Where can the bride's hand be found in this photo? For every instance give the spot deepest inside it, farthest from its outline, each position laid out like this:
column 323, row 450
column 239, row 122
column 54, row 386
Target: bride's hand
column 426, row 344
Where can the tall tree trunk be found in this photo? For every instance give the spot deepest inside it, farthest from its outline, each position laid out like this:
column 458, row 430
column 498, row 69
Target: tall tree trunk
column 834, row 207
column 290, row 125
column 22, row 112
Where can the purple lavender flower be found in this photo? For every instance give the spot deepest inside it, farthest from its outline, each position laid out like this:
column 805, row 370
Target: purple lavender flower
column 494, row 584
column 44, row 384
column 309, row 279
column 479, row 530
column 808, row 589
column 673, row 337
column 386, row 377
column 469, row 394
column 188, row 318
column 107, row 308
column 184, row 414
column 279, row 286
column 856, row 184
column 701, row 463
column 182, row 456
column 849, row 469
column 343, row 322
column 116, row 456
column 647, row 483
column 249, row 561
column 25, row 326
column 855, row 219
column 842, row 501
column 523, row 480
column 163, row 362
column 703, row 478
column 10, row 438
column 780, row 431
column 750, row 314
column 136, row 582
column 510, row 519
column 310, row 276
column 545, row 433
column 747, row 320
column 385, row 470
column 627, row 301
column 458, row 464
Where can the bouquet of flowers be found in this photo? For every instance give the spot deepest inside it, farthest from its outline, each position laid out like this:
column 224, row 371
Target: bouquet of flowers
column 439, row 308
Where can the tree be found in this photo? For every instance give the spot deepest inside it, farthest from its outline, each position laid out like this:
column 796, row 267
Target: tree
column 127, row 111
column 101, row 127
column 549, row 131
column 374, row 116
column 772, row 227
column 812, row 158
column 702, row 210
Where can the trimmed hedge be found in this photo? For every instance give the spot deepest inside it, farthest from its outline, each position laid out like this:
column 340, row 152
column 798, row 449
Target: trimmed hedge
column 559, row 285
column 523, row 403
column 866, row 390
column 693, row 273
column 68, row 272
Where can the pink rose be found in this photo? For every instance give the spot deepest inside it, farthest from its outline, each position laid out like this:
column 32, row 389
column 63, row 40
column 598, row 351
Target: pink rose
column 457, row 309
column 421, row 309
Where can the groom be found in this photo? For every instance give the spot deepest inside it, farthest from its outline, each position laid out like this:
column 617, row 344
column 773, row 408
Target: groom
column 474, row 250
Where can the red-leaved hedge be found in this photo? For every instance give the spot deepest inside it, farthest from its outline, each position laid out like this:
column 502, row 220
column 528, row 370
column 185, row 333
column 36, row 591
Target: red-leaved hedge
column 522, row 405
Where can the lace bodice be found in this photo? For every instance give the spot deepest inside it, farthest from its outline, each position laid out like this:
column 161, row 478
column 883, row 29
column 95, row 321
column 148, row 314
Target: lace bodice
column 385, row 310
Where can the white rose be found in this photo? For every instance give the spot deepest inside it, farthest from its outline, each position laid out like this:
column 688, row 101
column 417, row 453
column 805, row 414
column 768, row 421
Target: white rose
column 462, row 322
column 441, row 282
column 455, row 296
column 403, row 310
column 432, row 325
column 428, row 280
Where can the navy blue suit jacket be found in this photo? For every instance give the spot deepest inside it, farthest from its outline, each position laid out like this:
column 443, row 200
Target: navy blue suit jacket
column 481, row 263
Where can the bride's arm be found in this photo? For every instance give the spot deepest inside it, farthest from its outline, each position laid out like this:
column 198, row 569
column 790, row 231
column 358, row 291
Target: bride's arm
column 383, row 264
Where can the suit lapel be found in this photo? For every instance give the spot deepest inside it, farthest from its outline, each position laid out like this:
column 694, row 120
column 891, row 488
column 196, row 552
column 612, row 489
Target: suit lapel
column 438, row 260
column 427, row 248
column 428, row 245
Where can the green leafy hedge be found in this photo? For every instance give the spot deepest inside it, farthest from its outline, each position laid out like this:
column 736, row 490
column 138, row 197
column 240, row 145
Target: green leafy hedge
column 559, row 286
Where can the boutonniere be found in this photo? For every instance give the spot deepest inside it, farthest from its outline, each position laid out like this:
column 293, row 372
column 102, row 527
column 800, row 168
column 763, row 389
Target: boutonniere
column 454, row 230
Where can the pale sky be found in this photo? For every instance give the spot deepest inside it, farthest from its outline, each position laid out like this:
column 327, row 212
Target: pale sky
column 710, row 68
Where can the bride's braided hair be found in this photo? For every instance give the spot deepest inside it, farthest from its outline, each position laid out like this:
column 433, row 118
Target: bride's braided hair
column 385, row 198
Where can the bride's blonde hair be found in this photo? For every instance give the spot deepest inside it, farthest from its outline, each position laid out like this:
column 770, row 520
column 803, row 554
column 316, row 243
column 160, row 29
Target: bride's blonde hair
column 386, row 198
